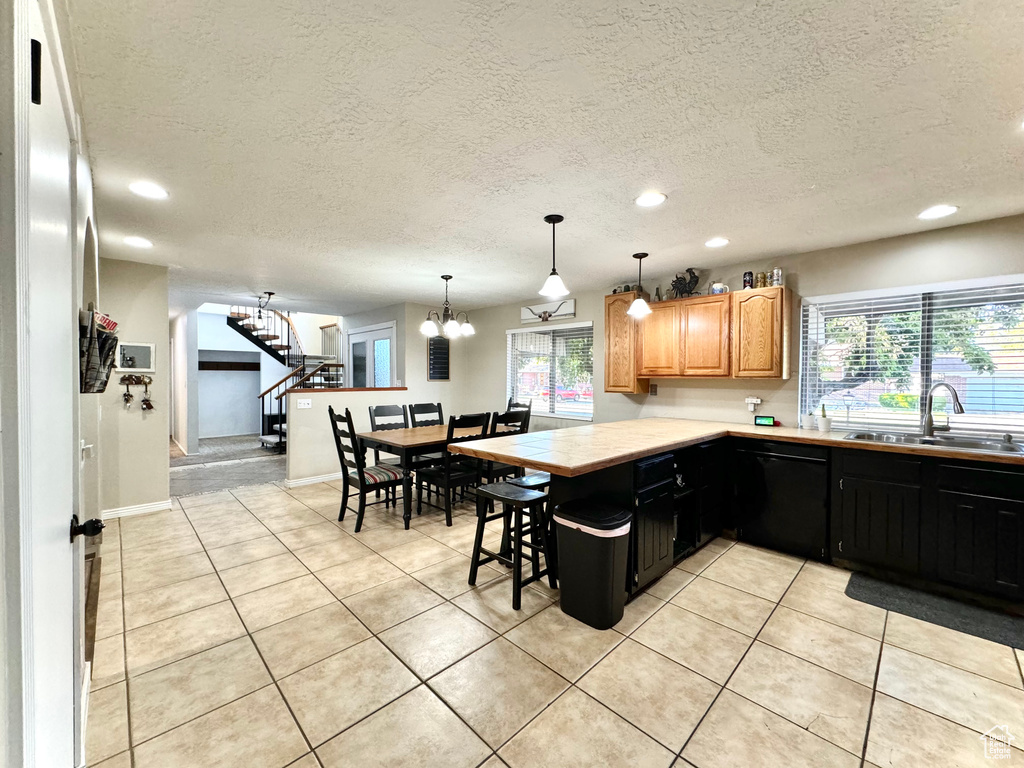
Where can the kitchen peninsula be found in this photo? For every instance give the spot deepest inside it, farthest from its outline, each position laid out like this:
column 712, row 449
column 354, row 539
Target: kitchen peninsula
column 948, row 516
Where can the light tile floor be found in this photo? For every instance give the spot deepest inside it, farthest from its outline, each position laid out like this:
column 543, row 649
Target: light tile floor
column 249, row 628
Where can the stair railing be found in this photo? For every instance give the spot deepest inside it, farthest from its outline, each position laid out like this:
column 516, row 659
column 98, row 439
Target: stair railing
column 273, row 419
column 330, row 341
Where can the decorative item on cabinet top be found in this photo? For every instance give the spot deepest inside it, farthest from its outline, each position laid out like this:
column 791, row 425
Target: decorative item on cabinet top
column 684, row 287
column 553, row 310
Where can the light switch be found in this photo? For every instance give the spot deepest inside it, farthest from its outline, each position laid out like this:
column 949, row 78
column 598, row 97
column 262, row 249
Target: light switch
column 303, row 402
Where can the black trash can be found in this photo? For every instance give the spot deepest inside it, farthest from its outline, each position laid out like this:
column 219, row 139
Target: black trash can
column 593, row 547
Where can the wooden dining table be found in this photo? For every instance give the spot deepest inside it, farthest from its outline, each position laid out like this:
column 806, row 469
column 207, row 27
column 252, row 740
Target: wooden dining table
column 409, row 444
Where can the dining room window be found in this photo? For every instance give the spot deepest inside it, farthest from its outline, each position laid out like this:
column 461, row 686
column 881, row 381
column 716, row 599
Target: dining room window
column 553, row 369
column 871, row 358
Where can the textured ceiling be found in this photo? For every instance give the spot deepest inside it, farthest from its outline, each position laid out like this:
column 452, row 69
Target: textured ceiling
column 346, row 154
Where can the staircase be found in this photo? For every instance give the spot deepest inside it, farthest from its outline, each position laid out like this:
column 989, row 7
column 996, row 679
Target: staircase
column 271, row 331
column 315, row 373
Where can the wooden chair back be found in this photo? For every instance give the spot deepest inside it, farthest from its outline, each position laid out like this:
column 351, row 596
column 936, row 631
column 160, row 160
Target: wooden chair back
column 426, row 414
column 477, row 421
column 388, row 417
column 528, row 407
column 350, row 452
column 514, row 422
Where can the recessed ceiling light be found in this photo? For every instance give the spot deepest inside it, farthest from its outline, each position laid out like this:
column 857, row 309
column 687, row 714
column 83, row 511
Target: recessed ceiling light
column 137, row 242
column 149, row 189
column 650, row 199
column 937, row 211
column 716, row 242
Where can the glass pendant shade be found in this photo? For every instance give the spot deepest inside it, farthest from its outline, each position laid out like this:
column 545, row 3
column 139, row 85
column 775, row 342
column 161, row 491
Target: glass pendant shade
column 467, row 329
column 638, row 308
column 554, row 288
column 452, row 329
column 429, row 328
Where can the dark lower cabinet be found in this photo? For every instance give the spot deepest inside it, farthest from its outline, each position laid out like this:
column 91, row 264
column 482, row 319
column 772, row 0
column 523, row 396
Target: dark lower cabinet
column 780, row 496
column 704, row 472
column 979, row 529
column 653, row 536
column 876, row 509
column 879, row 523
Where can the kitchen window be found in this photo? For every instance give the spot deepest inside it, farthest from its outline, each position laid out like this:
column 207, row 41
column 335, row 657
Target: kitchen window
column 871, row 358
column 553, row 369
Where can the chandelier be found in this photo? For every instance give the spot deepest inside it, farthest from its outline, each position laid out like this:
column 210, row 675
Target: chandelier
column 446, row 323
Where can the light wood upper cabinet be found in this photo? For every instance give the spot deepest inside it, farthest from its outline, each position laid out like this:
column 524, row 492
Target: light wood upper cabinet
column 760, row 333
column 620, row 352
column 704, row 325
column 659, row 351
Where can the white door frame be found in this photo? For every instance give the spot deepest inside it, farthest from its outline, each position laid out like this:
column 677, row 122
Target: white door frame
column 392, row 326
column 20, row 719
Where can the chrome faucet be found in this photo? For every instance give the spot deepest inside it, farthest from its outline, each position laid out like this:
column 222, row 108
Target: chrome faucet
column 927, row 423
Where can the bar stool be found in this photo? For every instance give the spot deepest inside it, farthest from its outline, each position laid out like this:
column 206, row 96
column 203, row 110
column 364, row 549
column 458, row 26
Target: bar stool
column 523, row 514
column 537, row 481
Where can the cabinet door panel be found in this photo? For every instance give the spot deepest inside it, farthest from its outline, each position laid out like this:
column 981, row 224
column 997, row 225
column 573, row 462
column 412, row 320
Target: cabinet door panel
column 659, row 340
column 620, row 346
column 981, row 543
column 879, row 523
column 760, row 321
column 705, row 343
column 654, row 537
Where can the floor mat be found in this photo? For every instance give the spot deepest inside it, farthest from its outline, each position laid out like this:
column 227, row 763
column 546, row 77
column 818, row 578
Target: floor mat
column 970, row 619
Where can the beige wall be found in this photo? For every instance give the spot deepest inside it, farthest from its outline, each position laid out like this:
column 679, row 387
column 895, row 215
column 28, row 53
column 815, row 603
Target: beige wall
column 987, row 249
column 311, row 450
column 133, row 445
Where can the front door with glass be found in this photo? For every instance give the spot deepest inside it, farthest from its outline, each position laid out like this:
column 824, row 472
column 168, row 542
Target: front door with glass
column 371, row 355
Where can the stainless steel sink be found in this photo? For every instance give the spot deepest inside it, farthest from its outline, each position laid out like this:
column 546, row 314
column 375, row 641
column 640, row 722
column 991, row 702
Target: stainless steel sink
column 946, row 441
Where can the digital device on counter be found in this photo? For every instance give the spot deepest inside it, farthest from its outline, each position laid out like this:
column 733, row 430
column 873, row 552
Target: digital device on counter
column 764, row 421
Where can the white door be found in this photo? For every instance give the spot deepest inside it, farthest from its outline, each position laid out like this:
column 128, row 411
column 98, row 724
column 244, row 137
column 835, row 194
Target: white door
column 371, row 355
column 47, row 358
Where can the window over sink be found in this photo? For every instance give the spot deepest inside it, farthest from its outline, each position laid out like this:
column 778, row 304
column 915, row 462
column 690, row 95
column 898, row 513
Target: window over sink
column 553, row 369
column 871, row 358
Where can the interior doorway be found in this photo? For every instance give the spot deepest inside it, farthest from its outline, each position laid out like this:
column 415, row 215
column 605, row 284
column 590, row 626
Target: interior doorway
column 371, row 355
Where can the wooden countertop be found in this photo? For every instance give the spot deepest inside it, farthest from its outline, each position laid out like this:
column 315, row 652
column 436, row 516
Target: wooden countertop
column 579, row 450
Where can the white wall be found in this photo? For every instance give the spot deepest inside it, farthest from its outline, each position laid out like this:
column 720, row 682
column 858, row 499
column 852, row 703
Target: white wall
column 986, row 249
column 185, row 386
column 214, row 333
column 228, row 403
column 307, row 326
column 134, row 457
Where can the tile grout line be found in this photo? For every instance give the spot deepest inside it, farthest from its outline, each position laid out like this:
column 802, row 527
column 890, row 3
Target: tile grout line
column 248, row 634
column 124, row 644
column 375, row 636
column 874, row 693
column 679, row 754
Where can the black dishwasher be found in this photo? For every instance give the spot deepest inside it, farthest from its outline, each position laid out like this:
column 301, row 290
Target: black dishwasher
column 781, row 496
column 654, row 520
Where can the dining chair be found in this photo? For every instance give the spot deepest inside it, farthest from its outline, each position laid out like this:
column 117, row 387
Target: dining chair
column 352, row 456
column 454, row 472
column 384, row 417
column 528, row 407
column 512, row 422
column 426, row 414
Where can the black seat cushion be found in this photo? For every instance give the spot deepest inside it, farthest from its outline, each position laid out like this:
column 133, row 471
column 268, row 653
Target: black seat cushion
column 436, row 475
column 535, row 480
column 512, row 494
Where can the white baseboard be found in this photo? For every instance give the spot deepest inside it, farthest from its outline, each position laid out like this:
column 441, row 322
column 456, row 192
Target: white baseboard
column 138, row 509
column 313, row 480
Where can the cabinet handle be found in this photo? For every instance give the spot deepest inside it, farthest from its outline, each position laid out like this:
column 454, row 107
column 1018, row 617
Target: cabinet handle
column 840, row 545
column 840, row 483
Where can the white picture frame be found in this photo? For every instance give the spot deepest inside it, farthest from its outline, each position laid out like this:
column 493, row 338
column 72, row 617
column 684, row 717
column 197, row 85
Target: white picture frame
column 135, row 357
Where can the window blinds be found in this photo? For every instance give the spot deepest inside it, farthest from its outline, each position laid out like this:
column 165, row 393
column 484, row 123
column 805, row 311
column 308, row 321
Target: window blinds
column 562, row 356
column 872, row 360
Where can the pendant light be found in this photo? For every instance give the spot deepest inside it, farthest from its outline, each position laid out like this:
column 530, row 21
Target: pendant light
column 553, row 288
column 639, row 308
column 446, row 323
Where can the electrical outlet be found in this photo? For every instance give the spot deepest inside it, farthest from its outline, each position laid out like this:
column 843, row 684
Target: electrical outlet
column 653, row 390
column 303, row 403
